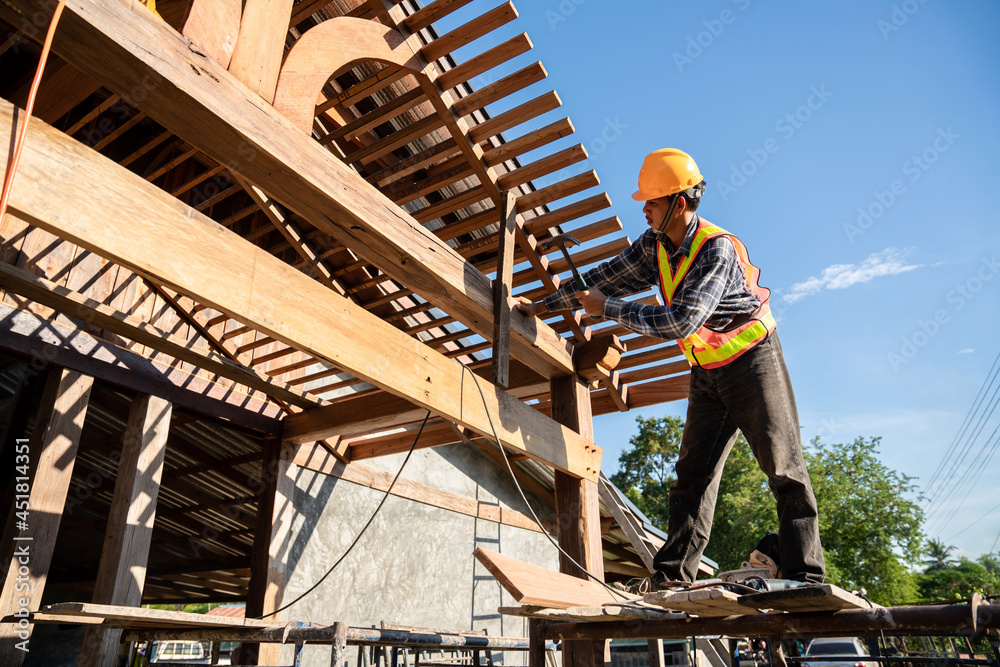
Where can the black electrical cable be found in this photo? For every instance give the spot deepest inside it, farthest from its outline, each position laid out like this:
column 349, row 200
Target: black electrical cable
column 362, row 532
column 524, row 498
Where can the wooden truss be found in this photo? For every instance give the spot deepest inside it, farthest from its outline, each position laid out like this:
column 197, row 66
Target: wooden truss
column 310, row 207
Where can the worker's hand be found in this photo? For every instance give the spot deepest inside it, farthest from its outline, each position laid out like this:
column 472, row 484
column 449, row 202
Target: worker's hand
column 529, row 307
column 592, row 301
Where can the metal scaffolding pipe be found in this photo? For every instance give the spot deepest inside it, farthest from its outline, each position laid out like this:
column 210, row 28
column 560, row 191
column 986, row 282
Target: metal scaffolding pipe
column 955, row 619
column 326, row 634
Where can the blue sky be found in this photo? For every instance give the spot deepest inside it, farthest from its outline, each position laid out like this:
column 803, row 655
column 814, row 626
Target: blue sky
column 853, row 146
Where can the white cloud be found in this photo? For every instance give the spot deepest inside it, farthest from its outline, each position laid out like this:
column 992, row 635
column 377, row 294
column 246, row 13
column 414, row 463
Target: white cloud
column 967, row 350
column 889, row 262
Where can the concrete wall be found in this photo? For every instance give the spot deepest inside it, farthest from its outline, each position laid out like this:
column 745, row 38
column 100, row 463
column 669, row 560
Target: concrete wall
column 414, row 565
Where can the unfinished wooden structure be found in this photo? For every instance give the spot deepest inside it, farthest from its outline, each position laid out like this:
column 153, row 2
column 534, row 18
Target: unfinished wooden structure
column 246, row 237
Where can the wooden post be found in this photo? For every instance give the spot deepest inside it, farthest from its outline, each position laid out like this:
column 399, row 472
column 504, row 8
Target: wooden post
column 122, row 572
column 578, row 509
column 50, row 455
column 656, row 657
column 501, row 291
column 270, row 547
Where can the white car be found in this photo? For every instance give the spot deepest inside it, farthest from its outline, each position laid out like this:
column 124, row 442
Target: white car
column 851, row 649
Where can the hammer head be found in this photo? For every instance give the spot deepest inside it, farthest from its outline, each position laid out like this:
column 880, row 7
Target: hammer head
column 563, row 241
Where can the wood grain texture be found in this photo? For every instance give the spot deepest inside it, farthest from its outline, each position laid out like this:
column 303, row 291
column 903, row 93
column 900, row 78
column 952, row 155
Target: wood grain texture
column 325, row 50
column 701, row 602
column 121, row 217
column 52, row 453
column 191, row 95
column 260, row 45
column 819, row 597
column 121, row 574
column 214, row 25
column 533, row 585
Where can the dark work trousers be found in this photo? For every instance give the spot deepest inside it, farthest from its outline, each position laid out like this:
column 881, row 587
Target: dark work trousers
column 752, row 394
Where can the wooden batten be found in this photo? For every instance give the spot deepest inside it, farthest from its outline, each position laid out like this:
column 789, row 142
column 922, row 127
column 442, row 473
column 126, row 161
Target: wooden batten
column 513, row 148
column 484, row 62
column 498, row 90
column 474, row 29
column 256, row 58
column 514, row 117
column 543, row 166
column 557, row 191
column 560, row 216
column 431, row 12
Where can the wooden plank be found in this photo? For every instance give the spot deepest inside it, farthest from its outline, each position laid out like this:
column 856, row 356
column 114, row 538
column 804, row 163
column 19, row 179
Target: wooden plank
column 501, row 292
column 514, row 117
column 474, row 29
column 513, row 148
column 562, row 215
column 120, row 216
column 382, row 114
column 534, row 585
column 544, row 166
column 498, row 90
column 214, row 25
column 701, row 602
column 556, row 191
column 256, row 58
column 76, row 305
column 593, row 614
column 47, row 458
column 140, row 617
column 431, row 12
column 122, row 571
column 192, row 96
column 485, row 61
column 816, row 597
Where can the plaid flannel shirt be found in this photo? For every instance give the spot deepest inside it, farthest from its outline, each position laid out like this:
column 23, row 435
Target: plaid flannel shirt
column 714, row 292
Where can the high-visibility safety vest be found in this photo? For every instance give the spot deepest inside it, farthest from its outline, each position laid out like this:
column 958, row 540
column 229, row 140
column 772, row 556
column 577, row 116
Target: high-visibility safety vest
column 706, row 347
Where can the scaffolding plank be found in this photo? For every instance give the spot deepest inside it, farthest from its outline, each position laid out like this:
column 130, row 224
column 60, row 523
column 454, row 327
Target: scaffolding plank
column 820, row 597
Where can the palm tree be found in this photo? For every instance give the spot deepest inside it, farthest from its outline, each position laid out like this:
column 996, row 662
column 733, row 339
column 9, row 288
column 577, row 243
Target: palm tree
column 939, row 555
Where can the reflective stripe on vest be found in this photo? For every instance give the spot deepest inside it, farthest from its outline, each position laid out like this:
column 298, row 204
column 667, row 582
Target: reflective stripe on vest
column 705, row 347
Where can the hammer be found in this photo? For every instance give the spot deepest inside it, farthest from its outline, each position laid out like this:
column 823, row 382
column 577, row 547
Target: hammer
column 563, row 242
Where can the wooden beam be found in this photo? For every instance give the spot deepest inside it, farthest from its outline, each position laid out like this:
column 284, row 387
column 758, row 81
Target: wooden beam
column 122, row 572
column 313, row 458
column 256, row 58
column 45, row 461
column 578, row 509
column 268, row 559
column 485, row 61
column 191, row 95
column 76, row 305
column 474, row 29
column 501, row 292
column 121, row 217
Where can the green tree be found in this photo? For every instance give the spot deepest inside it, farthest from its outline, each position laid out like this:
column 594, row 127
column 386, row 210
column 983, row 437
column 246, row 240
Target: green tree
column 958, row 580
column 646, row 470
column 871, row 529
column 939, row 556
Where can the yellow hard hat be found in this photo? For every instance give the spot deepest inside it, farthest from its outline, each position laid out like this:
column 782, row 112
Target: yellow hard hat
column 666, row 172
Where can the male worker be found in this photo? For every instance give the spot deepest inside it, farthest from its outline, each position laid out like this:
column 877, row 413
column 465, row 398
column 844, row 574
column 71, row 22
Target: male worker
column 720, row 318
